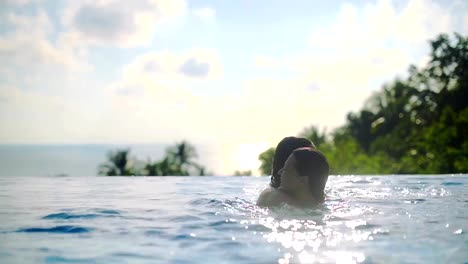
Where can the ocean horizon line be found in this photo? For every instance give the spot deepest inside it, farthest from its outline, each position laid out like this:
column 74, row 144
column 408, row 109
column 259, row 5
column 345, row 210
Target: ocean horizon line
column 96, row 144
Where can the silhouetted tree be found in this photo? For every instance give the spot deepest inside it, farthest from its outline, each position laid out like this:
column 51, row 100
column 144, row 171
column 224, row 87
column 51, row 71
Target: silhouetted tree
column 266, row 159
column 243, row 173
column 182, row 154
column 313, row 134
column 179, row 160
column 118, row 164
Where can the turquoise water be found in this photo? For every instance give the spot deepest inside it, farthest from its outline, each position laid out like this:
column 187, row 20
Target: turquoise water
column 371, row 219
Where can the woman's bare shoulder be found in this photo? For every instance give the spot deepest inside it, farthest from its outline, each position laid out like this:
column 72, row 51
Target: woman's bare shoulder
column 271, row 197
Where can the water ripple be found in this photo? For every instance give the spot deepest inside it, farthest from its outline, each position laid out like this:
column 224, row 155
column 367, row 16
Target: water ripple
column 59, row 259
column 189, row 237
column 130, row 255
column 414, row 201
column 156, row 232
column 451, row 183
column 224, row 224
column 206, row 201
column 66, row 215
column 66, row 229
column 185, row 218
column 69, row 216
column 109, row 212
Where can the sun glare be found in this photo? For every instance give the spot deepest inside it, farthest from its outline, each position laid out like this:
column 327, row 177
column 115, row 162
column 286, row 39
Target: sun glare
column 246, row 156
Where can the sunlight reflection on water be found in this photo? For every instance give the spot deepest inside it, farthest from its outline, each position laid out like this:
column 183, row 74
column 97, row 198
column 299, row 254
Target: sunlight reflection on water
column 319, row 235
column 303, row 239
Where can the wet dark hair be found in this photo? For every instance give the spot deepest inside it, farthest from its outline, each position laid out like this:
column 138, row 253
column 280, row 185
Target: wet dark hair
column 313, row 164
column 285, row 147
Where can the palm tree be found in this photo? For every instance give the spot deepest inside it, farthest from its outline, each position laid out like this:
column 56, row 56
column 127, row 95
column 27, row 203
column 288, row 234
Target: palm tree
column 313, row 134
column 179, row 160
column 183, row 153
column 152, row 169
column 118, row 164
column 165, row 167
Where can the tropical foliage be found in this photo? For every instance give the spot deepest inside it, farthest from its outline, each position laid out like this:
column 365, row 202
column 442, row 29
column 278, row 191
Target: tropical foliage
column 243, row 173
column 179, row 160
column 118, row 164
column 415, row 125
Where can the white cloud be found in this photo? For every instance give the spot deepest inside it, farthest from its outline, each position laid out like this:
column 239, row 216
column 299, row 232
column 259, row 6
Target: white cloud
column 168, row 67
column 266, row 63
column 422, row 20
column 37, row 25
column 366, row 45
column 29, row 53
column 25, row 52
column 118, row 22
column 154, row 92
column 381, row 24
column 154, row 87
column 194, row 68
column 205, row 13
column 38, row 74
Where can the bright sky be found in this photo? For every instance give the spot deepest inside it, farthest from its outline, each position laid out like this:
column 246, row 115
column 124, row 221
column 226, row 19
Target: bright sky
column 239, row 75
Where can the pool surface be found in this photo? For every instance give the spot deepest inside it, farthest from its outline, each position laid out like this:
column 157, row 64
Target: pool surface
column 365, row 219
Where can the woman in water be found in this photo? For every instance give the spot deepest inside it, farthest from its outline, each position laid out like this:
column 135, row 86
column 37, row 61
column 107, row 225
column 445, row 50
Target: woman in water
column 302, row 178
column 283, row 150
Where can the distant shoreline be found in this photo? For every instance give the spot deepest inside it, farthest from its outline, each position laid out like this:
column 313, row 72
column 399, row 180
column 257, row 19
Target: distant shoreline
column 76, row 159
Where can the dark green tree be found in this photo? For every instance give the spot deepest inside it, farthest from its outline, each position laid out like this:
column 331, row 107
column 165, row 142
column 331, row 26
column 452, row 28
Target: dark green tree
column 179, row 160
column 243, row 173
column 266, row 159
column 313, row 134
column 118, row 164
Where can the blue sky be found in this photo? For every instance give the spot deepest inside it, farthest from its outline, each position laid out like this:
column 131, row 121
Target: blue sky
column 237, row 75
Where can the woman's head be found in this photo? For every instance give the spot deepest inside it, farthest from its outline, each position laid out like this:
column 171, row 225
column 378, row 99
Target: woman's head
column 283, row 150
column 305, row 169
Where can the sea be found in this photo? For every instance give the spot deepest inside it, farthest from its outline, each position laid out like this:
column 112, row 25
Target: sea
column 83, row 159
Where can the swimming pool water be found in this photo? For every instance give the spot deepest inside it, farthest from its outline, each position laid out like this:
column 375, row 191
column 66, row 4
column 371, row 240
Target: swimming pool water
column 368, row 219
